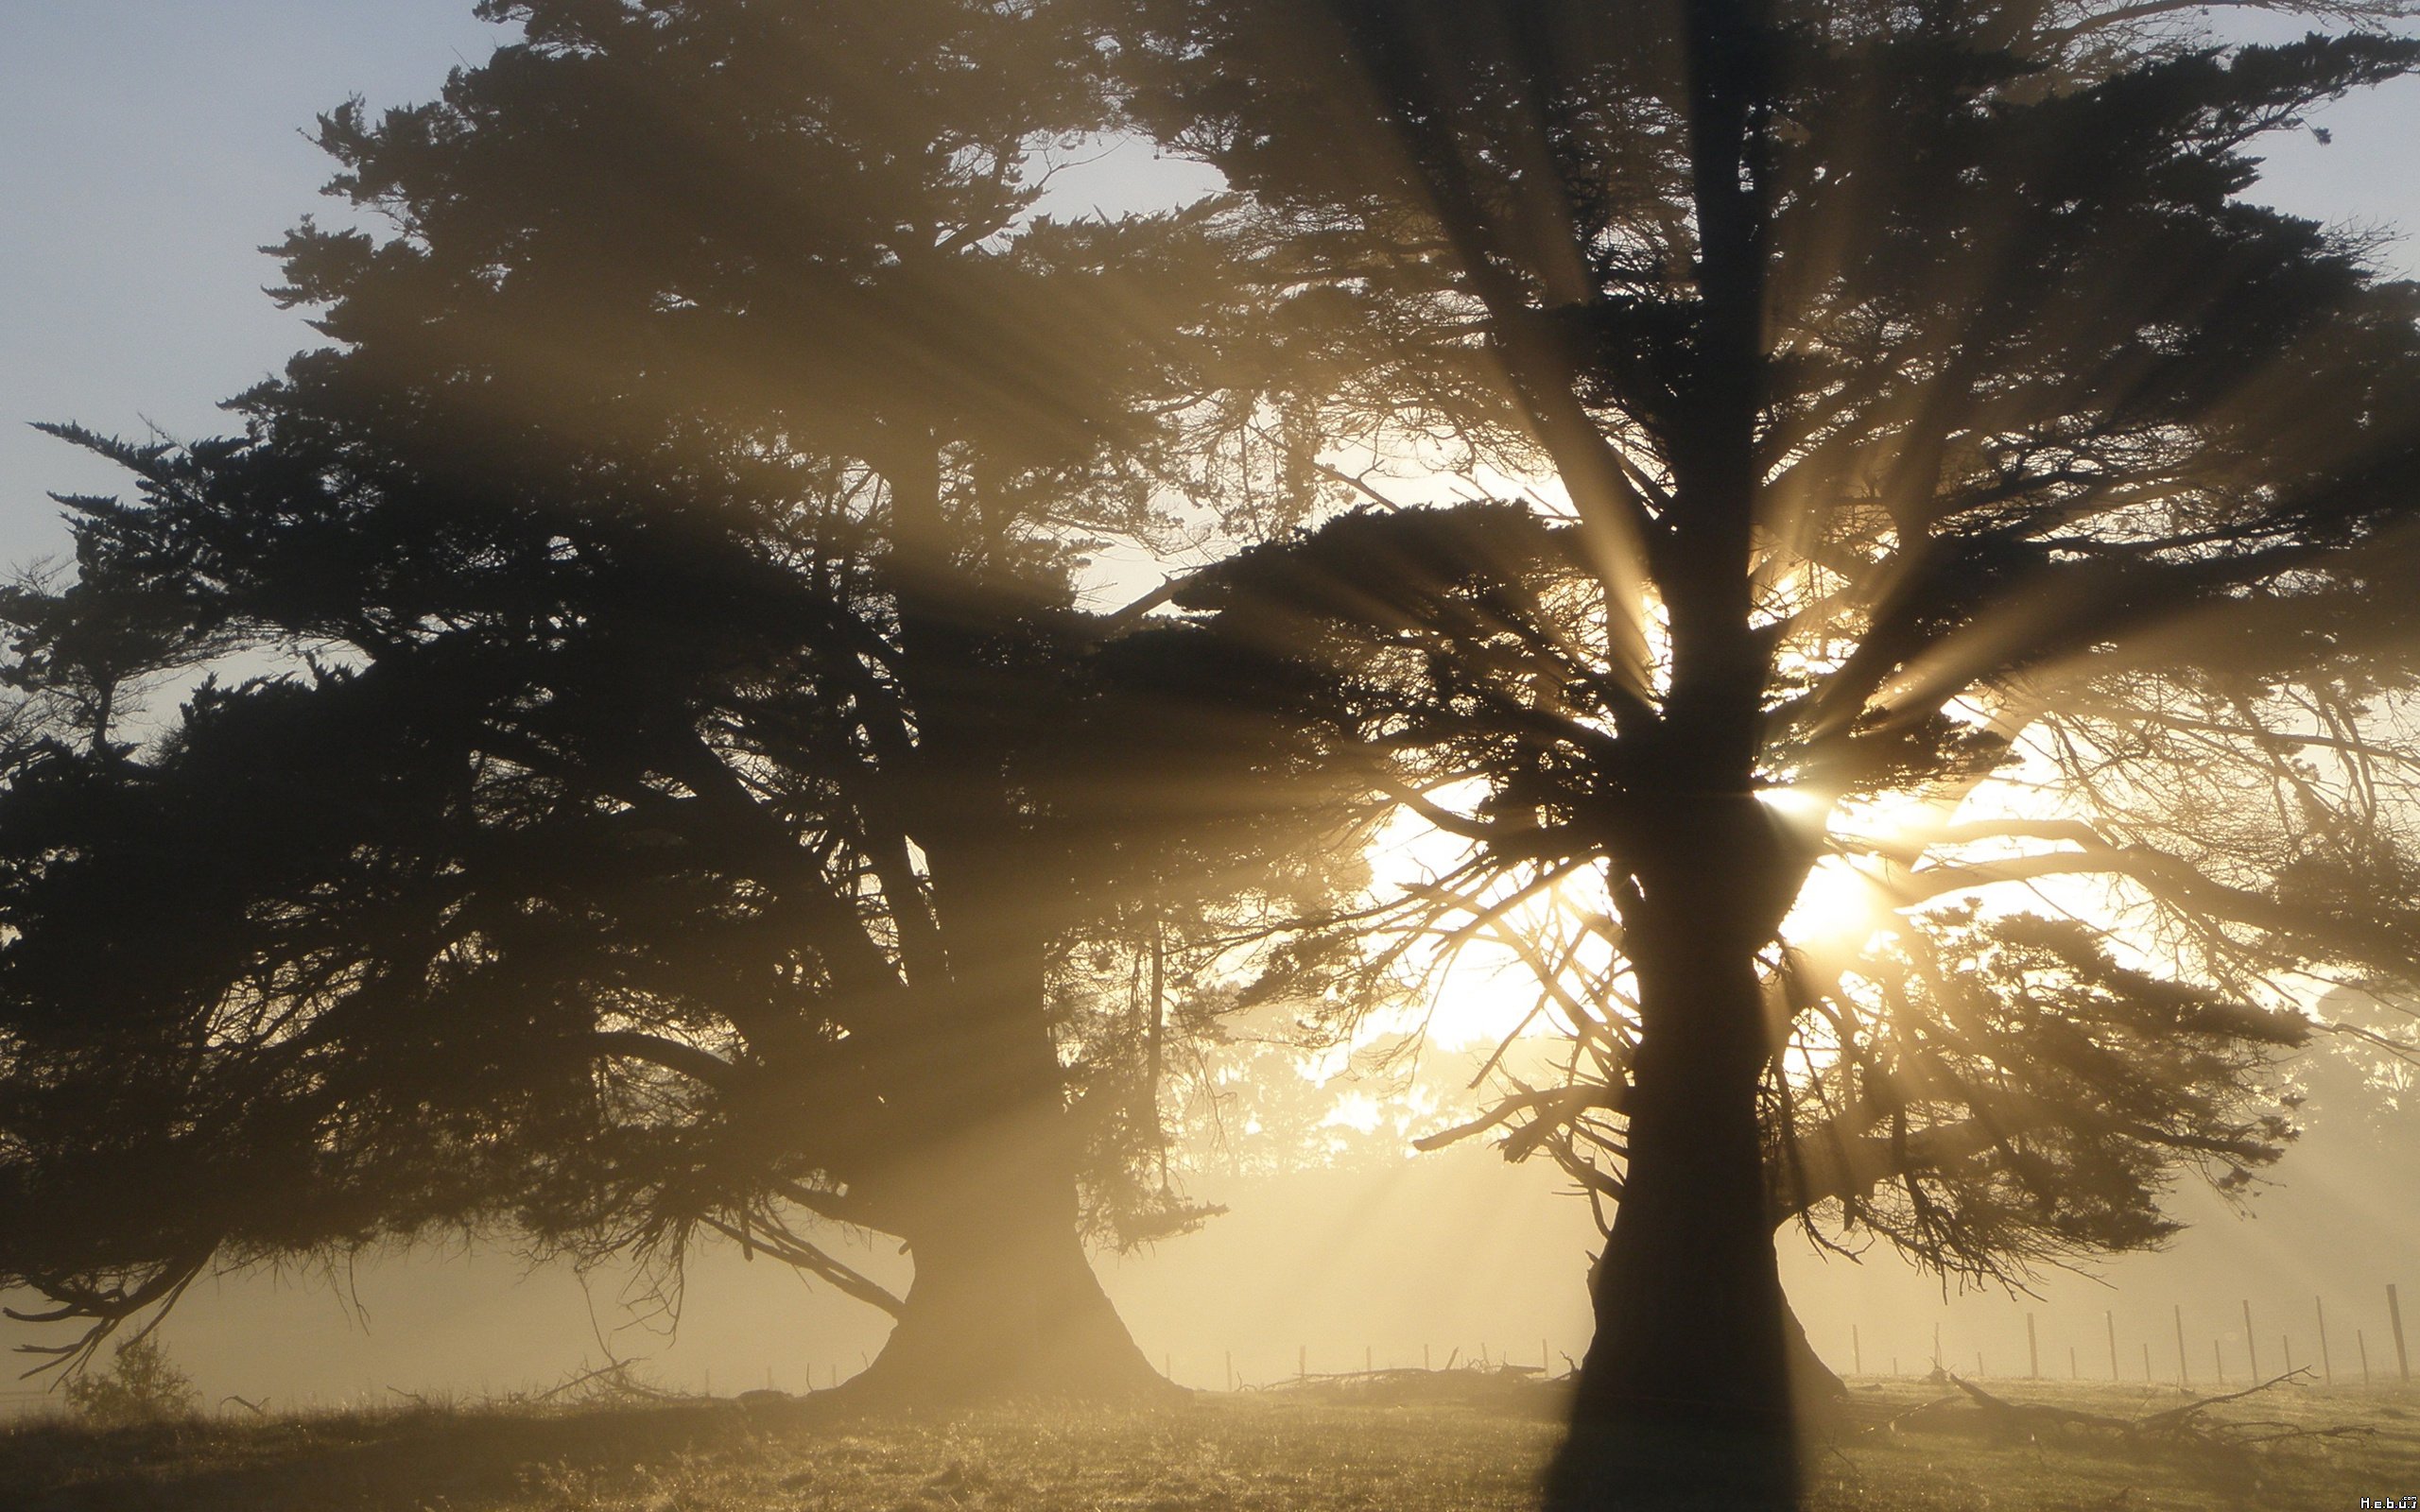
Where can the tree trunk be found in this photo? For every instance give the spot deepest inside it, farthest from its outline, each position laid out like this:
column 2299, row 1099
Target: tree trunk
column 980, row 1177
column 1004, row 1302
column 983, row 1179
column 1817, row 1393
column 1684, row 1397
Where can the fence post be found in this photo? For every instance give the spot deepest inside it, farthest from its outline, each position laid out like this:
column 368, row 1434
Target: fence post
column 2363, row 1344
column 2250, row 1348
column 2327, row 1365
column 1856, row 1351
column 2146, row 1361
column 2184, row 1376
column 2394, row 1315
column 2033, row 1352
column 2218, row 1362
column 2111, row 1318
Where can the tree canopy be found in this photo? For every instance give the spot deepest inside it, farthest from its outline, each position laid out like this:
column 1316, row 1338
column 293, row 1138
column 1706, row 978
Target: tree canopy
column 686, row 793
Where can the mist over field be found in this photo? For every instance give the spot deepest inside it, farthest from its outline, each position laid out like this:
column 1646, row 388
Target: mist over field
column 1449, row 1253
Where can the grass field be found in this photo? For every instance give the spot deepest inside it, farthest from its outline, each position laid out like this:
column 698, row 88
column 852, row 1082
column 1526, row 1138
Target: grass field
column 1277, row 1452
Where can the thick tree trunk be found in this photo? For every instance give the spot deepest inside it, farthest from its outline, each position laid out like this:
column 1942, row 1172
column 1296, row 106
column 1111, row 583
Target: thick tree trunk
column 982, row 1185
column 1684, row 1397
column 980, row 1176
column 1816, row 1390
column 1004, row 1302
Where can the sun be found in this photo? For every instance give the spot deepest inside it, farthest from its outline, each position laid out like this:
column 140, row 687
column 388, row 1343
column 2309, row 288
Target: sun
column 1840, row 906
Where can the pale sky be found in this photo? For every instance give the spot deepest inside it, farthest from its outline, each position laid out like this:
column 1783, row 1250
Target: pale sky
column 147, row 148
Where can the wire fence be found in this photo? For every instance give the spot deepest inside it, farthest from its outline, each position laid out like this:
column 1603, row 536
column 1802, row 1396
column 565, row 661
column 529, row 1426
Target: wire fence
column 2196, row 1344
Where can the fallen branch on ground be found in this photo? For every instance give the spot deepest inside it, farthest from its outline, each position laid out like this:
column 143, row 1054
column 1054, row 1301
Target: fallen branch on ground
column 611, row 1382
column 2185, row 1424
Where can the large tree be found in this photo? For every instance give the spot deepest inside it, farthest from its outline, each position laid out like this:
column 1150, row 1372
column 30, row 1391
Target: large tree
column 687, row 793
column 1906, row 397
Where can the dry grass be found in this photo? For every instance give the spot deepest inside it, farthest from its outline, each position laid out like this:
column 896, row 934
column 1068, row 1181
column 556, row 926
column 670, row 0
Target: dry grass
column 1311, row 1452
column 1943, row 1453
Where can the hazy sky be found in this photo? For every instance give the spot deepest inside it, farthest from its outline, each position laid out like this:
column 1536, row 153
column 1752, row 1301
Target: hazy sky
column 148, row 147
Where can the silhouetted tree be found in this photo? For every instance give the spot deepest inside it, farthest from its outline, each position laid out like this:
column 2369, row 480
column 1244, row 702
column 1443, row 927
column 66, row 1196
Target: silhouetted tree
column 687, row 794
column 1907, row 399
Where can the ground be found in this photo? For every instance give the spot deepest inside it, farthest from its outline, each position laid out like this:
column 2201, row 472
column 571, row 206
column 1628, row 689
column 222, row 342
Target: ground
column 1411, row 1446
